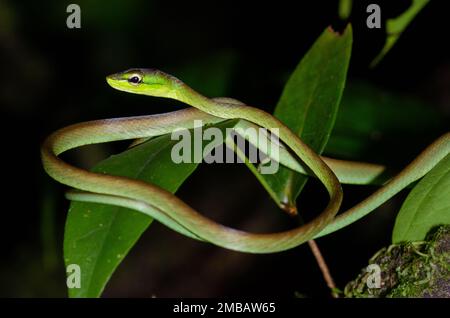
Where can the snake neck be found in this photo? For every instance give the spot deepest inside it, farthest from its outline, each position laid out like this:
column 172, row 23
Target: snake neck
column 187, row 95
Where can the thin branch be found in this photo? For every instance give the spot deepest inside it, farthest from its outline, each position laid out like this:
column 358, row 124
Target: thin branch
column 292, row 211
column 323, row 268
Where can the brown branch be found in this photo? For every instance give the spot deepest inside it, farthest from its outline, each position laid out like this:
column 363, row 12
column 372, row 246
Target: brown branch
column 323, row 268
column 292, row 211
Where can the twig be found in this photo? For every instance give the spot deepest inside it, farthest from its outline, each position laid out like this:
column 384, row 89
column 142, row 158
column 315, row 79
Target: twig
column 292, row 211
column 323, row 268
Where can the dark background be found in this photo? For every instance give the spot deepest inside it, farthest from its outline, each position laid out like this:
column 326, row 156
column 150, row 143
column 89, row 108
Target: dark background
column 52, row 76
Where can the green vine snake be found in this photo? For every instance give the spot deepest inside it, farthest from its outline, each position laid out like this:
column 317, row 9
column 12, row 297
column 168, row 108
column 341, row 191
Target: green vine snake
column 173, row 212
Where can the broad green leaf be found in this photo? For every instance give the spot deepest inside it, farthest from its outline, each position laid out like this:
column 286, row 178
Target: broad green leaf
column 308, row 106
column 427, row 206
column 396, row 26
column 98, row 237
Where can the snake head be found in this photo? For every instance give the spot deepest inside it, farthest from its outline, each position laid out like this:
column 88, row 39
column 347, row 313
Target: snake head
column 150, row 82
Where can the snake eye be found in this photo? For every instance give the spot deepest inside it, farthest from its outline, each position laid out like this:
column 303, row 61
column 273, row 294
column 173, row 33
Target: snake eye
column 135, row 79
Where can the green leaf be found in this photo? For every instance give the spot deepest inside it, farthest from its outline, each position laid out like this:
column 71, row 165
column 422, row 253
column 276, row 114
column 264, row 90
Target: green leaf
column 309, row 104
column 427, row 206
column 396, row 26
column 98, row 237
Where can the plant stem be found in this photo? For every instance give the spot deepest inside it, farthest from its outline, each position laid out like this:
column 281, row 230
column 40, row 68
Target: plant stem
column 319, row 258
column 323, row 268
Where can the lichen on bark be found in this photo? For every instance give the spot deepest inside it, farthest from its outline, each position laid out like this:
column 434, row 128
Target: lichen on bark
column 412, row 269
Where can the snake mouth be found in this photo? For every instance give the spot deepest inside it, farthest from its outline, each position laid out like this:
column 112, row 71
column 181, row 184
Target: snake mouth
column 112, row 80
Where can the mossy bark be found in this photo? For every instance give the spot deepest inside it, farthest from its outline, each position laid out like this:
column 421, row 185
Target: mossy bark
column 413, row 269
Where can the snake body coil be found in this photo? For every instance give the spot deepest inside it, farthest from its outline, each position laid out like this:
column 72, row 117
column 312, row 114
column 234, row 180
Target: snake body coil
column 171, row 211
